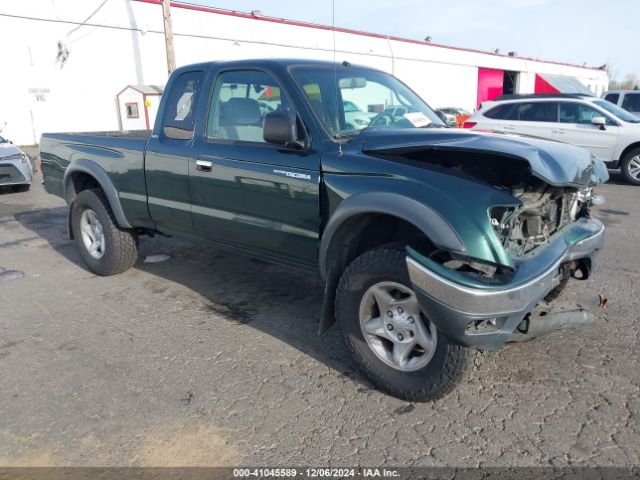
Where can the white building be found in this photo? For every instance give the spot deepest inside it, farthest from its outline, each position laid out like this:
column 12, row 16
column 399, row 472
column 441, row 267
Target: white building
column 63, row 67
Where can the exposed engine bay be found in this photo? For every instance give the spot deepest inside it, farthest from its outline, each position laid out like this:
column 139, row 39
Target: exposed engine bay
column 545, row 209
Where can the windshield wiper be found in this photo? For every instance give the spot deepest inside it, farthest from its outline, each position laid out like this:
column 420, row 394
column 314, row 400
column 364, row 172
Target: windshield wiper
column 348, row 133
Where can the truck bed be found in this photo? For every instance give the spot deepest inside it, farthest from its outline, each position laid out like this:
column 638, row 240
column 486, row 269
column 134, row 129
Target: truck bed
column 119, row 154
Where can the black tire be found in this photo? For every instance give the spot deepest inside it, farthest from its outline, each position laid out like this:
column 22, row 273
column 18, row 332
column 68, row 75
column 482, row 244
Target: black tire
column 625, row 166
column 21, row 188
column 121, row 246
column 450, row 364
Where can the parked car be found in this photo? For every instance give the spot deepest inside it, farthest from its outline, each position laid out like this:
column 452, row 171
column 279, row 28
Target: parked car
column 15, row 167
column 627, row 99
column 355, row 117
column 393, row 114
column 448, row 118
column 431, row 242
column 607, row 131
column 265, row 107
column 460, row 114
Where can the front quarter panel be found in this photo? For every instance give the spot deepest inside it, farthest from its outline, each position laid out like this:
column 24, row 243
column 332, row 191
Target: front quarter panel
column 463, row 204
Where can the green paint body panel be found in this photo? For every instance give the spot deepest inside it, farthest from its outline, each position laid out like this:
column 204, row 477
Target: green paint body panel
column 248, row 201
column 570, row 236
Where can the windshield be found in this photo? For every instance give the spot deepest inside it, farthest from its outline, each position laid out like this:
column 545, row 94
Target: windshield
column 621, row 113
column 365, row 99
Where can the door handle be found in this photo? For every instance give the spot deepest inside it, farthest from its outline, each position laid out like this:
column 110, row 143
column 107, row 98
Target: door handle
column 204, row 165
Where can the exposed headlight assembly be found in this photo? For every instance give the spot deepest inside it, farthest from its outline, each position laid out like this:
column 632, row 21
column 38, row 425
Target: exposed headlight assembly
column 16, row 156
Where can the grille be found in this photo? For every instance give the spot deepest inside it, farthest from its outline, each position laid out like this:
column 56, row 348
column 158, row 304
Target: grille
column 10, row 174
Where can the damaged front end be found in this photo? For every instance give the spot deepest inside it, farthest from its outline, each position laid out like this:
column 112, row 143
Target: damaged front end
column 544, row 210
column 477, row 307
column 522, row 210
column 545, row 236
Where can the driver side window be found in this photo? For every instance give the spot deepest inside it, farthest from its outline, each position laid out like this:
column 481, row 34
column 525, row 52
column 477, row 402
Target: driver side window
column 573, row 112
column 240, row 101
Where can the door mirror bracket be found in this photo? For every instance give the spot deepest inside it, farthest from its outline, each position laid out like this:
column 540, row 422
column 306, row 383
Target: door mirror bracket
column 600, row 122
column 279, row 128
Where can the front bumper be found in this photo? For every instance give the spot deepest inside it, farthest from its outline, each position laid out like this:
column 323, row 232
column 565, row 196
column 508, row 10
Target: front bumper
column 14, row 173
column 612, row 164
column 455, row 308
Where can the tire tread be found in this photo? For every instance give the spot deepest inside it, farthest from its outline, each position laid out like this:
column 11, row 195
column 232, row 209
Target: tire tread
column 623, row 166
column 459, row 360
column 123, row 243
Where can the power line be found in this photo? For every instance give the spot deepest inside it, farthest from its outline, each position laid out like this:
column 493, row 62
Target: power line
column 88, row 18
column 246, row 40
column 70, row 22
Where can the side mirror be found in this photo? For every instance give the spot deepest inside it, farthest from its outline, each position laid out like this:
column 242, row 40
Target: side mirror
column 279, row 128
column 599, row 121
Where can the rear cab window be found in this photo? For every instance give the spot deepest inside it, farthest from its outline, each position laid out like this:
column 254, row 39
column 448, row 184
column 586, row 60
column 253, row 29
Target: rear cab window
column 180, row 109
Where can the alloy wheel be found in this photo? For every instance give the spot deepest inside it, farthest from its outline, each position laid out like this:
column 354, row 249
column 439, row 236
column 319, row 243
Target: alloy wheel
column 634, row 167
column 394, row 327
column 92, row 234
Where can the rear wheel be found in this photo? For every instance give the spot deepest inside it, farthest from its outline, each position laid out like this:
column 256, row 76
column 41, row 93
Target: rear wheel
column 392, row 341
column 105, row 248
column 630, row 166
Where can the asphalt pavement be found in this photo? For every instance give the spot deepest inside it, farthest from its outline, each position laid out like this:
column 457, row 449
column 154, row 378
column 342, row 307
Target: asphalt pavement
column 202, row 357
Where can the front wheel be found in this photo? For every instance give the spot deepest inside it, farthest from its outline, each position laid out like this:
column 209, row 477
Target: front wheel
column 392, row 341
column 105, row 248
column 630, row 167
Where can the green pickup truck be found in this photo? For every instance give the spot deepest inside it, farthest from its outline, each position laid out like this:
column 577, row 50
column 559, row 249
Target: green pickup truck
column 431, row 242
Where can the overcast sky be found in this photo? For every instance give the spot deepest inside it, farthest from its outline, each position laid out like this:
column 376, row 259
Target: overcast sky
column 573, row 31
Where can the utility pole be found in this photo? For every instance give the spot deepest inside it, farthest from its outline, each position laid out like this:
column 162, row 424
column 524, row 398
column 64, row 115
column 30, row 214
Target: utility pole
column 168, row 35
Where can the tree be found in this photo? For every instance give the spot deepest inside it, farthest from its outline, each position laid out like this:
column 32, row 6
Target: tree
column 612, row 72
column 630, row 82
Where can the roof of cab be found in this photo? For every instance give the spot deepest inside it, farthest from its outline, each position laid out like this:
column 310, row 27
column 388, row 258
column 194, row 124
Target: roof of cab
column 271, row 62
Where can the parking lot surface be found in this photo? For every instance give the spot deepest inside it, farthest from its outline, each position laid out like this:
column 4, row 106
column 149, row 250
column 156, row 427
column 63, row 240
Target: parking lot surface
column 209, row 358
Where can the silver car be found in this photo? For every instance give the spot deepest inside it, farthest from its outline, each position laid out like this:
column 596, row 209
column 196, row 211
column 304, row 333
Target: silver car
column 15, row 167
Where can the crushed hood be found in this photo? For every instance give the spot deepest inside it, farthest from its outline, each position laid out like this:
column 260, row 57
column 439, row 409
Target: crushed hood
column 556, row 163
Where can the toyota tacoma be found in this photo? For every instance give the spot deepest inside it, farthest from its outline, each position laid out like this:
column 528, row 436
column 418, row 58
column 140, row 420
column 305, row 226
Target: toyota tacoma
column 432, row 243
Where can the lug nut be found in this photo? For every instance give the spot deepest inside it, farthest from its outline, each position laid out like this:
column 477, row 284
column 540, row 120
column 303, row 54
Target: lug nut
column 389, row 327
column 411, row 333
column 400, row 337
column 400, row 310
column 389, row 313
column 410, row 319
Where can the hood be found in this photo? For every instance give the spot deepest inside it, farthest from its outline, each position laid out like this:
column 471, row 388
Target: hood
column 7, row 149
column 556, row 163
